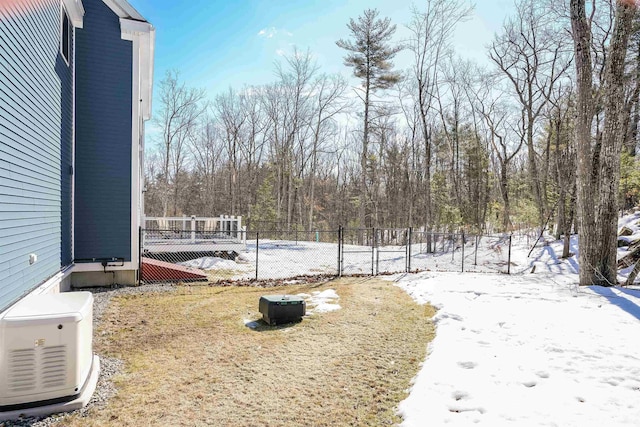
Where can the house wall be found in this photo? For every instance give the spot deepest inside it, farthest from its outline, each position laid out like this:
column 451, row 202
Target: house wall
column 103, row 137
column 35, row 148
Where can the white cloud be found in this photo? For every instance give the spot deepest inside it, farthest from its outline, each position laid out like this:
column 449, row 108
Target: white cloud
column 270, row 32
column 280, row 52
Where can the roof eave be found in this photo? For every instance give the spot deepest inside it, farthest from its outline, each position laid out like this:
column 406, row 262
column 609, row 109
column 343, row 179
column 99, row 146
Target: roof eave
column 124, row 10
column 75, row 11
column 145, row 34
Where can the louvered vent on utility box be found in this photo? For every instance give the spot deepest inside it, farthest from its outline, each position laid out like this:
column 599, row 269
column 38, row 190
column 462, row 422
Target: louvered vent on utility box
column 53, row 366
column 22, row 370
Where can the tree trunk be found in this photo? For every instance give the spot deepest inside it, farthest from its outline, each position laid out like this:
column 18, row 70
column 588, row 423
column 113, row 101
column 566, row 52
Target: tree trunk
column 289, row 195
column 612, row 143
column 560, row 179
column 504, row 191
column 165, row 178
column 597, row 227
column 362, row 209
column 312, row 183
column 582, row 134
column 534, row 174
column 561, row 226
column 566, row 247
column 428, row 215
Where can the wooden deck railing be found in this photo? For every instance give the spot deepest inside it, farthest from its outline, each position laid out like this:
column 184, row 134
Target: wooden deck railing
column 190, row 227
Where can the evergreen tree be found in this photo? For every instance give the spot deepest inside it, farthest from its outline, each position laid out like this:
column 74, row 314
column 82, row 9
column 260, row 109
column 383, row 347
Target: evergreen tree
column 370, row 55
column 264, row 210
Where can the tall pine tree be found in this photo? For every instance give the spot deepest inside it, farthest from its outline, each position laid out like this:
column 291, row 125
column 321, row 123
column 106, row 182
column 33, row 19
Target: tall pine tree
column 370, row 55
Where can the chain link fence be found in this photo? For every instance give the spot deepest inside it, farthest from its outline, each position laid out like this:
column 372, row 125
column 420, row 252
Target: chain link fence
column 205, row 256
column 282, row 255
column 460, row 252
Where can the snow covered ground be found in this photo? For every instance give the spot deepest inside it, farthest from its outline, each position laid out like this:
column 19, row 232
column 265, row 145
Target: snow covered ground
column 282, row 259
column 528, row 349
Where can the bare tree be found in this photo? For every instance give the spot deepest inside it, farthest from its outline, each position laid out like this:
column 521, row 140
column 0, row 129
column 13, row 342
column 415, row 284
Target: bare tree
column 498, row 119
column 328, row 103
column 253, row 142
column 231, row 114
column 287, row 109
column 415, row 171
column 431, row 30
column 180, row 109
column 206, row 149
column 561, row 159
column 529, row 53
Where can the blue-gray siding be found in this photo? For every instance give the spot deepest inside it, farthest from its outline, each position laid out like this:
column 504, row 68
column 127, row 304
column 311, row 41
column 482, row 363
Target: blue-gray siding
column 35, row 148
column 103, row 137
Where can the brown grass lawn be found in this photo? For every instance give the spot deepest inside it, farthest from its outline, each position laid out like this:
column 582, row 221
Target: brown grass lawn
column 191, row 361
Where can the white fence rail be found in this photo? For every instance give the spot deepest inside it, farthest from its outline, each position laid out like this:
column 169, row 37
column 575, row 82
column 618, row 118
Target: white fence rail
column 190, row 227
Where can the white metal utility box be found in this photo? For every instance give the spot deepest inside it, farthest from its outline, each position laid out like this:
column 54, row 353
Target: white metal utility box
column 46, row 350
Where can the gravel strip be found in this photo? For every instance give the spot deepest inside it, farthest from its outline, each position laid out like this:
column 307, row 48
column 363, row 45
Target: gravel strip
column 109, row 366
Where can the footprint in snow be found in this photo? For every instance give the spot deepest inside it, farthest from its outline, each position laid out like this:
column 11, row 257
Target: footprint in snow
column 459, row 410
column 467, row 365
column 459, row 395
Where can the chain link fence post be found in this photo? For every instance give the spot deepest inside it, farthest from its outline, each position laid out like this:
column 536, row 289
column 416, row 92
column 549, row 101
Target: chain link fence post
column 463, row 239
column 509, row 256
column 257, row 250
column 475, row 257
column 340, row 249
column 452, row 244
column 140, row 246
column 409, row 243
column 373, row 251
column 376, row 235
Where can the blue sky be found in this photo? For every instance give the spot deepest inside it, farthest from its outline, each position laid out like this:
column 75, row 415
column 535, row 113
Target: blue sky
column 217, row 44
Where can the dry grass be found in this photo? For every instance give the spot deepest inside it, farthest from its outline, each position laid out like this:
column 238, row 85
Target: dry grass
column 192, row 361
column 222, row 274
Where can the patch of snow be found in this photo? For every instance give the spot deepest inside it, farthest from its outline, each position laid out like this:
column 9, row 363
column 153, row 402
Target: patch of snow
column 242, row 258
column 631, row 221
column 321, row 301
column 325, row 307
column 326, row 294
column 251, row 324
column 211, row 263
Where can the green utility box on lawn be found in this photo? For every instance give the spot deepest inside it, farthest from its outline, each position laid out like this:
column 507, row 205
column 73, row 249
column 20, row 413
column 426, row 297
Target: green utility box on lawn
column 279, row 309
